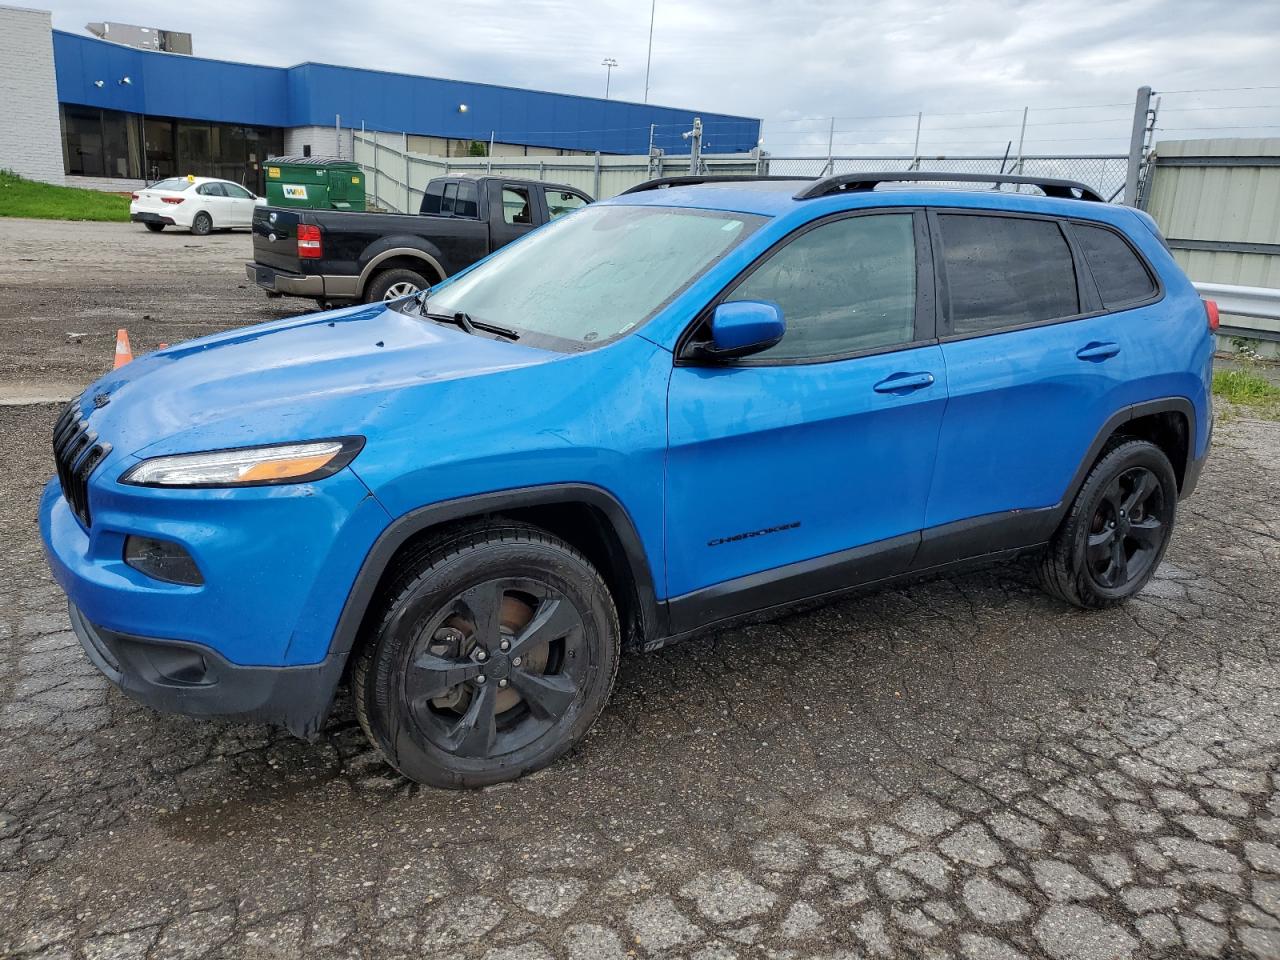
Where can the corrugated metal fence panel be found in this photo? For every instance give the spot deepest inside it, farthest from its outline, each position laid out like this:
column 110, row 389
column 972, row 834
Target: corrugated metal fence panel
column 1207, row 193
column 600, row 177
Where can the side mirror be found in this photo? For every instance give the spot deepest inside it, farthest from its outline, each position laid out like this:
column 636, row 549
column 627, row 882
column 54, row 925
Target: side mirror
column 740, row 328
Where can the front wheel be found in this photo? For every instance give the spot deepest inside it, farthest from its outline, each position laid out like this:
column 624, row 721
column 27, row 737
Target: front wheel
column 1117, row 530
column 202, row 224
column 495, row 654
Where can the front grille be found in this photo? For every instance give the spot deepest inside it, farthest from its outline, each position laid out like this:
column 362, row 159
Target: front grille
column 76, row 452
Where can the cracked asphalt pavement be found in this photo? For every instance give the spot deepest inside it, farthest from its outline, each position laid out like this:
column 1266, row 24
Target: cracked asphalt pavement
column 961, row 768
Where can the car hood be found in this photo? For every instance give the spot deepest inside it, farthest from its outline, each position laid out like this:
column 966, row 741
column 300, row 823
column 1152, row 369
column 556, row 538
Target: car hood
column 319, row 375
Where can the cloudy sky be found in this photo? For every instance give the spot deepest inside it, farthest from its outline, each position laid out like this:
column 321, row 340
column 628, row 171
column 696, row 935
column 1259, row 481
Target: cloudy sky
column 969, row 65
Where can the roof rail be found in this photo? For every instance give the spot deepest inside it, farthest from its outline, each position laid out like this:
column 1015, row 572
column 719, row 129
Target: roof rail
column 846, row 182
column 660, row 183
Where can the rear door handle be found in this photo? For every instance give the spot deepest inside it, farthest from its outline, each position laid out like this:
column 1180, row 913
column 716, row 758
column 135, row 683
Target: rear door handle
column 904, row 383
column 1098, row 351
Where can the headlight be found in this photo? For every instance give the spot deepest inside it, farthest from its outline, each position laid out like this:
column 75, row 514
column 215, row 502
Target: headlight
column 247, row 466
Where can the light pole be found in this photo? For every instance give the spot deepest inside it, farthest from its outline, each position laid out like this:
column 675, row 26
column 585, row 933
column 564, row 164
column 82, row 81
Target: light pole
column 653, row 9
column 608, row 63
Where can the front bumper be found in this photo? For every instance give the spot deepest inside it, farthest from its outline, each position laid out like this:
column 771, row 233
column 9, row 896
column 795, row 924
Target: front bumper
column 173, row 676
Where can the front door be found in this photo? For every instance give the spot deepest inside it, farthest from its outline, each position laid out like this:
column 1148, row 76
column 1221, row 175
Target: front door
column 806, row 467
column 242, row 203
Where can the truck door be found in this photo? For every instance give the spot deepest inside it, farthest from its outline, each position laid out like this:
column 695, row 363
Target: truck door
column 512, row 212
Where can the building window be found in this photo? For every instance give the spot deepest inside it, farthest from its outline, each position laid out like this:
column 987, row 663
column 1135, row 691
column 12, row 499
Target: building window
column 101, row 143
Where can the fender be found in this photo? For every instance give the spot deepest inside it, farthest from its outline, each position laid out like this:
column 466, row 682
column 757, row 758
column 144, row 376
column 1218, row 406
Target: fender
column 388, row 247
column 401, row 529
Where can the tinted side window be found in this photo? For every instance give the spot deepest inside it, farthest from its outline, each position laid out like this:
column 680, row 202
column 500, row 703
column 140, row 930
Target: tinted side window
column 431, row 199
column 1121, row 276
column 1006, row 271
column 467, row 204
column 844, row 286
column 515, row 205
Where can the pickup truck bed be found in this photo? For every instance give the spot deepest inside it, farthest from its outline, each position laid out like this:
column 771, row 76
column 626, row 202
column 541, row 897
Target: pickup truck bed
column 332, row 255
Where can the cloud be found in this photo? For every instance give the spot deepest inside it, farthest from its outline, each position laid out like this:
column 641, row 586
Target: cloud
column 969, row 65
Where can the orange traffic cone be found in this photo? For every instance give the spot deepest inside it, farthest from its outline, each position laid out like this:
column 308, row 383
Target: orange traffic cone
column 124, row 353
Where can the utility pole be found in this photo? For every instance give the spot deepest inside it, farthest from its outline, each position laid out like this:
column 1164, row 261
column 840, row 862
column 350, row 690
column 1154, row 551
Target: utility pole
column 337, row 135
column 1137, row 139
column 831, row 139
column 608, row 63
column 915, row 151
column 694, row 137
column 653, row 9
column 1022, row 134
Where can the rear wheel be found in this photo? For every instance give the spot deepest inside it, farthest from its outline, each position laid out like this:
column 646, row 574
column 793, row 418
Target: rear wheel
column 154, row 227
column 394, row 284
column 1118, row 528
column 496, row 652
column 202, row 224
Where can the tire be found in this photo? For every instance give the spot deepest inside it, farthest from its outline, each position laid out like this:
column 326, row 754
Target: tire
column 202, row 224
column 416, row 680
column 154, row 227
column 394, row 284
column 1101, row 556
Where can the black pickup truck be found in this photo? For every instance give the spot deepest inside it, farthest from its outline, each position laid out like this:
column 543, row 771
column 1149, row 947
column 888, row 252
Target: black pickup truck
column 336, row 256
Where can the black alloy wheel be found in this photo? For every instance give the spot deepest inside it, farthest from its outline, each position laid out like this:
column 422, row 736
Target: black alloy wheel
column 1116, row 529
column 1128, row 529
column 496, row 650
column 496, row 668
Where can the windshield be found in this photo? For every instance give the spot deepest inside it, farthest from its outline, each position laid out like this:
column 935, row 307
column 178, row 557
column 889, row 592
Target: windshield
column 594, row 274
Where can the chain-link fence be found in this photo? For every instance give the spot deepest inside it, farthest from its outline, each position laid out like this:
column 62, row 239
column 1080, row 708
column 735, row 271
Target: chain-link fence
column 1105, row 173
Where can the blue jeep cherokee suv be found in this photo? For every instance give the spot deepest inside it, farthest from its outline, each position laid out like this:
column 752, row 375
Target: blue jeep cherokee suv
column 693, row 402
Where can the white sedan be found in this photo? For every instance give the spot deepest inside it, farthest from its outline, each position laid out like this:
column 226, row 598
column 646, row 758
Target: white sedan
column 200, row 204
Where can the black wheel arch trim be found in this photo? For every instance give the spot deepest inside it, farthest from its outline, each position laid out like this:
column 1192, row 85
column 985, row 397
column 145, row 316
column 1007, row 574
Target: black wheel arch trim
column 1117, row 420
column 447, row 511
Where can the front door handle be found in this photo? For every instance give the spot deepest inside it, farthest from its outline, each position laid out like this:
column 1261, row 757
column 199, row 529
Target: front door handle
column 904, row 383
column 1098, row 351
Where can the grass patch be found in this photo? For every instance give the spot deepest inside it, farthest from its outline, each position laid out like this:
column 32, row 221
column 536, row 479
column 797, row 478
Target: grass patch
column 1247, row 389
column 26, row 198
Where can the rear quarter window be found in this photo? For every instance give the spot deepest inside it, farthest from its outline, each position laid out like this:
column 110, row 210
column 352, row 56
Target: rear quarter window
column 1122, row 278
column 1006, row 272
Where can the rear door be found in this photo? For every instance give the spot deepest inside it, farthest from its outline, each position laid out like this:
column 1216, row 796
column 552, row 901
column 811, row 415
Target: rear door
column 513, row 212
column 1036, row 363
column 215, row 202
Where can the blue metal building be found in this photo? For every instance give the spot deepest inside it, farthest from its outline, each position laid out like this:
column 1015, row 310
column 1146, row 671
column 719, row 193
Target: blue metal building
column 134, row 113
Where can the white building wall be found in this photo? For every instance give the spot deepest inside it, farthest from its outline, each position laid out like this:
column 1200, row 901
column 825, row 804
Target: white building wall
column 324, row 142
column 30, row 134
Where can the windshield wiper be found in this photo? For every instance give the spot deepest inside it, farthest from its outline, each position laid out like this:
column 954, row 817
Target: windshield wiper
column 470, row 325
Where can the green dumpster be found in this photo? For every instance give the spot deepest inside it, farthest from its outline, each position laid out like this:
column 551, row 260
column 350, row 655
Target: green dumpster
column 321, row 183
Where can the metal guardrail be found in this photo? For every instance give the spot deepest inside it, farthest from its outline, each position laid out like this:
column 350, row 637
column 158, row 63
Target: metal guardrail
column 1258, row 303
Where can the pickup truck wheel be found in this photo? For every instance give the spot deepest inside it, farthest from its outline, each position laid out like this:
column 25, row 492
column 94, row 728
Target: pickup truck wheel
column 495, row 653
column 1117, row 530
column 394, row 284
column 154, row 227
column 202, row 224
